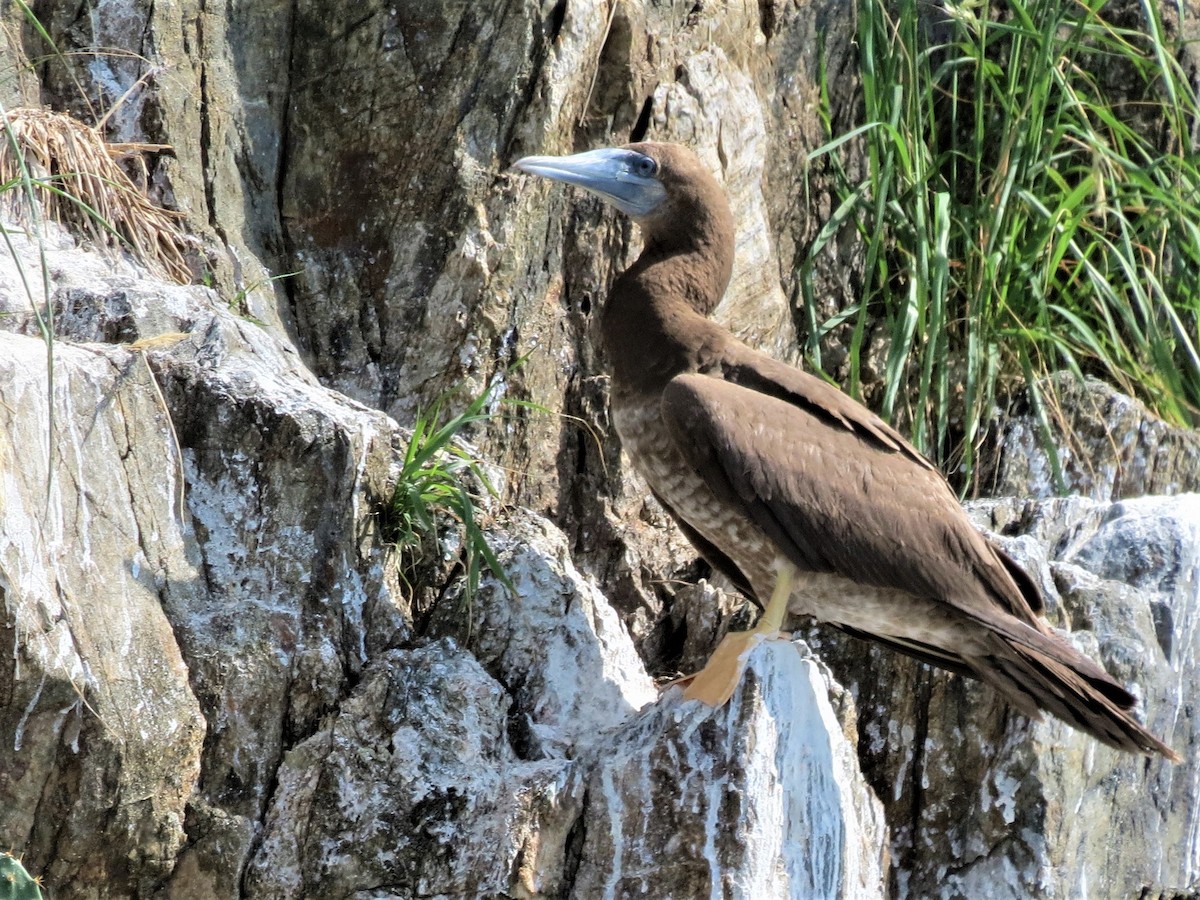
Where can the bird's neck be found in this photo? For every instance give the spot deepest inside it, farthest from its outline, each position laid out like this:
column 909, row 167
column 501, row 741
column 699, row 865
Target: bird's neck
column 692, row 261
column 655, row 322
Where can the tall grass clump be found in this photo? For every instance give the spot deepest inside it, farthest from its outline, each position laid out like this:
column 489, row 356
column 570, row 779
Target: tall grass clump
column 1031, row 202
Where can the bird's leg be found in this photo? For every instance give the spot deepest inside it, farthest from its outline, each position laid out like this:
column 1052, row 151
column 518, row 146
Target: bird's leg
column 716, row 682
column 771, row 621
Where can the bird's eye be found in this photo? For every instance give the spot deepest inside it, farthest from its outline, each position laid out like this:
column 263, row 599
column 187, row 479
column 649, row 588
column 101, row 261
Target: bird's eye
column 646, row 166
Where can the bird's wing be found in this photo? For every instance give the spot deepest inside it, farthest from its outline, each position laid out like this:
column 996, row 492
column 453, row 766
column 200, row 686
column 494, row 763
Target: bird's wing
column 838, row 490
column 834, row 500
column 764, row 375
column 941, row 657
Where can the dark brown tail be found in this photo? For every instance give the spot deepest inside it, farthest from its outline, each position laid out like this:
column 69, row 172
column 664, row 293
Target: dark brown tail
column 1059, row 679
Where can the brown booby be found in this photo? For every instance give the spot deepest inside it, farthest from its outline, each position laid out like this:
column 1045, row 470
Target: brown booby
column 795, row 491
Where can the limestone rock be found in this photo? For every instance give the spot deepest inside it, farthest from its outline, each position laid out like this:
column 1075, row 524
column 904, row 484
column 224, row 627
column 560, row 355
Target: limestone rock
column 360, row 153
column 183, row 579
column 760, row 799
column 410, row 789
column 100, row 731
column 415, row 789
column 556, row 643
column 214, row 684
column 283, row 478
column 437, row 778
column 1109, row 446
column 315, row 737
column 93, row 298
column 217, row 689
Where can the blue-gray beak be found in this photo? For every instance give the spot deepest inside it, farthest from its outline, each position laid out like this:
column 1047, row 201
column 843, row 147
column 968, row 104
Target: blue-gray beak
column 625, row 178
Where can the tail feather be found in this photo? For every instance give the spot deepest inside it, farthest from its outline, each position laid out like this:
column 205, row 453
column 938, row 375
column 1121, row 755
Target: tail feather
column 1035, row 670
column 1083, row 696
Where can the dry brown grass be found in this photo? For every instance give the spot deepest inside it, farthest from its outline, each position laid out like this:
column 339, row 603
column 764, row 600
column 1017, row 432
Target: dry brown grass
column 77, row 182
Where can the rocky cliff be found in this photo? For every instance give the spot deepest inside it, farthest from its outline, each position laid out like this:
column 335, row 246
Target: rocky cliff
column 214, row 681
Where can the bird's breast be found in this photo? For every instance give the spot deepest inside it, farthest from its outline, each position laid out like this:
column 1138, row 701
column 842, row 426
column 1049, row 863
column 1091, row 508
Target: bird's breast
column 649, row 445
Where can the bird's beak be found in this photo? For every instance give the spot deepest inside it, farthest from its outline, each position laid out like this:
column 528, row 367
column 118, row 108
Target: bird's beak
column 625, row 178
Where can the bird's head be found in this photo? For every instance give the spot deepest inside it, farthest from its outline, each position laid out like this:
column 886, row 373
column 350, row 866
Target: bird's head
column 665, row 188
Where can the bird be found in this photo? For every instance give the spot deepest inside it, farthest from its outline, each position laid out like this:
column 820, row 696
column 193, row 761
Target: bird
column 800, row 495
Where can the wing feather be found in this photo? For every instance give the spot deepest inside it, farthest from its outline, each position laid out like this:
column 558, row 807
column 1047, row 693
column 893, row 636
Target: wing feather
column 765, row 375
column 837, row 490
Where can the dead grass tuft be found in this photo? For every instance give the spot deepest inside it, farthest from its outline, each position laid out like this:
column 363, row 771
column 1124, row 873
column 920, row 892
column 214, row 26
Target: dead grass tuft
column 76, row 182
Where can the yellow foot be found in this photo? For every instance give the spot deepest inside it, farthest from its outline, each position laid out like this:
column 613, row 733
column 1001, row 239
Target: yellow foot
column 716, row 682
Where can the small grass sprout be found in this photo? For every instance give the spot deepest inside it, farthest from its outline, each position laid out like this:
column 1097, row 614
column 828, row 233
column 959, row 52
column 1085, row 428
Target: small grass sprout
column 433, row 485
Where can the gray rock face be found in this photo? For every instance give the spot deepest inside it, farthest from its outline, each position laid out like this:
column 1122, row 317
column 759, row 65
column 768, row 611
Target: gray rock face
column 1109, row 447
column 556, row 643
column 761, row 799
column 218, row 687
column 360, row 153
column 99, row 729
column 435, row 778
column 414, row 789
column 376, row 797
column 281, row 480
column 180, row 595
column 216, row 691
column 212, row 682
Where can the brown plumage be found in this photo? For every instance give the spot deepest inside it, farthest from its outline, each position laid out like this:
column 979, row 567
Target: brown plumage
column 763, row 466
